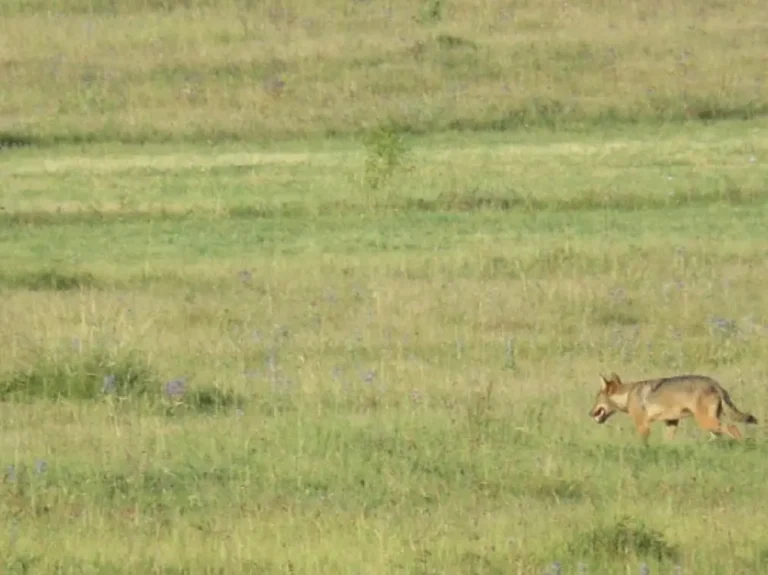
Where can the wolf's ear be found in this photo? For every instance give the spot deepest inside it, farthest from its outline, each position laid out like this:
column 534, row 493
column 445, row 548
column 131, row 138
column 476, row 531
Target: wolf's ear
column 610, row 382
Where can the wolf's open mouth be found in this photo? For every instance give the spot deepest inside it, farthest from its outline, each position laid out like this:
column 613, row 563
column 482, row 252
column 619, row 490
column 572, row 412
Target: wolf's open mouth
column 599, row 415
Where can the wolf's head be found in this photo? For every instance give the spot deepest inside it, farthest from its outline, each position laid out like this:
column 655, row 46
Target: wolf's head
column 605, row 401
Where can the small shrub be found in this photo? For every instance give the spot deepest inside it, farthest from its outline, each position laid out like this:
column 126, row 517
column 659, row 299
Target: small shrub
column 386, row 152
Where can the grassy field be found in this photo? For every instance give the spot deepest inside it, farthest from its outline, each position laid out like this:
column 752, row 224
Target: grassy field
column 327, row 288
column 155, row 70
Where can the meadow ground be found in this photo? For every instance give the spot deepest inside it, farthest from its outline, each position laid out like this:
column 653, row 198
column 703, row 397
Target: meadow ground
column 243, row 329
column 380, row 381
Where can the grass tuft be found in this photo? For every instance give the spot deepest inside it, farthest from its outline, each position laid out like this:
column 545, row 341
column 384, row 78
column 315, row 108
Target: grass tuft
column 206, row 400
column 73, row 374
column 627, row 538
column 11, row 140
column 48, row 280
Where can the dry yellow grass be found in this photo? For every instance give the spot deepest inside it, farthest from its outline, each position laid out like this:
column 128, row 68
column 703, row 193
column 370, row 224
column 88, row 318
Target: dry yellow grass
column 216, row 70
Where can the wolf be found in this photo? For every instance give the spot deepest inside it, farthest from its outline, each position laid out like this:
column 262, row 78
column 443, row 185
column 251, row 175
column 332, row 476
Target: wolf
column 669, row 399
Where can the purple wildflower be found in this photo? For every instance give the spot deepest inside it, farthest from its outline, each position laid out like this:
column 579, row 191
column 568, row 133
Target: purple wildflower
column 109, row 384
column 174, row 389
column 245, row 276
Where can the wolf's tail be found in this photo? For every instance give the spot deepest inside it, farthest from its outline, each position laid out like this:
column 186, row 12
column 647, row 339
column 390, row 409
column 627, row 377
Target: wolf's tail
column 734, row 412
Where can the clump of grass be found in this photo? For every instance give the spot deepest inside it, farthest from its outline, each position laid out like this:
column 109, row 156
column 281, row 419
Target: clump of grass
column 101, row 373
column 10, row 140
column 431, row 12
column 448, row 41
column 81, row 375
column 626, row 538
column 202, row 400
column 48, row 280
column 555, row 491
column 386, row 153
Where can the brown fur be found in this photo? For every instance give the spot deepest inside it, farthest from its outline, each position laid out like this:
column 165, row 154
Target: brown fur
column 669, row 399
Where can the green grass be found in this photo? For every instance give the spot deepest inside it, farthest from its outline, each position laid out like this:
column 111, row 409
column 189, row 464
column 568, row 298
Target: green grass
column 389, row 380
column 354, row 323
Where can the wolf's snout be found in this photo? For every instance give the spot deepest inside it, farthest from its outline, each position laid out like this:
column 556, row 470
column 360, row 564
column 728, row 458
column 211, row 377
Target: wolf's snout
column 599, row 414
